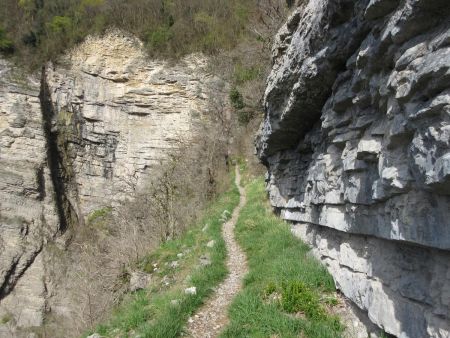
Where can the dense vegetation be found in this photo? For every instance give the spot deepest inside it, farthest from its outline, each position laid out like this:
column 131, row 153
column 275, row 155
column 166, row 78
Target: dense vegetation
column 39, row 30
column 287, row 292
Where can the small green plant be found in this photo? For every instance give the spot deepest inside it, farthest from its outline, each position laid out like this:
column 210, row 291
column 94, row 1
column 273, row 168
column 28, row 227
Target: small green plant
column 270, row 288
column 237, row 101
column 244, row 116
column 159, row 37
column 331, row 301
column 59, row 24
column 6, row 318
column 98, row 214
column 6, row 45
column 296, row 296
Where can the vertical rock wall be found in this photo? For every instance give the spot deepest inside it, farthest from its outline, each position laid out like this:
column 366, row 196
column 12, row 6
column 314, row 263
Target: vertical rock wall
column 28, row 218
column 356, row 140
column 86, row 135
column 117, row 115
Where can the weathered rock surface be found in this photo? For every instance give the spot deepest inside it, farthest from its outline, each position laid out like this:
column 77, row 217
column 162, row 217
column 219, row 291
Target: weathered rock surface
column 27, row 215
column 85, row 136
column 118, row 114
column 356, row 139
column 139, row 280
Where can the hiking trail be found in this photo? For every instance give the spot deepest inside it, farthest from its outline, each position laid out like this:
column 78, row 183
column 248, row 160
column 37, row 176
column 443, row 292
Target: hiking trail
column 212, row 317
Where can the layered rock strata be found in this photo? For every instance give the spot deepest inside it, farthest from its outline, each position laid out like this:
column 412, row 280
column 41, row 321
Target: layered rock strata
column 356, row 140
column 118, row 114
column 28, row 217
column 85, row 135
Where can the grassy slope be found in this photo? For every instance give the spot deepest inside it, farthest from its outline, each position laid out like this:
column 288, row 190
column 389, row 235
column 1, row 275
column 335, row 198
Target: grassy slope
column 287, row 293
column 150, row 313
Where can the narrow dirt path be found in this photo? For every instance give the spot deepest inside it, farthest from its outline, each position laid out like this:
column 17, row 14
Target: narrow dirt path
column 212, row 317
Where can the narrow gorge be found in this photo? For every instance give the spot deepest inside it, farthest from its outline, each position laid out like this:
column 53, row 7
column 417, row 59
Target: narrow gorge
column 354, row 134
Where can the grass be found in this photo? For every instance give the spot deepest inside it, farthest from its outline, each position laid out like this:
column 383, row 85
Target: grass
column 162, row 310
column 287, row 293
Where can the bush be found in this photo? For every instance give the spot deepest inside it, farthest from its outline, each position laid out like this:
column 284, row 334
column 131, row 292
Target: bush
column 244, row 116
column 237, row 101
column 159, row 38
column 60, row 24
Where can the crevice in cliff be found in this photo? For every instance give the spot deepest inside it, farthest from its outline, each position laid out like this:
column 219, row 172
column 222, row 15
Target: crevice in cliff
column 7, row 284
column 60, row 172
column 15, row 272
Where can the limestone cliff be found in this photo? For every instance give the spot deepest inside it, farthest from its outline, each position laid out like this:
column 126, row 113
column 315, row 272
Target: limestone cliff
column 356, row 140
column 27, row 214
column 118, row 114
column 83, row 135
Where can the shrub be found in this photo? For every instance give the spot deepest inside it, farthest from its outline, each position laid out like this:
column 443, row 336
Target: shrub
column 244, row 116
column 60, row 24
column 159, row 37
column 237, row 101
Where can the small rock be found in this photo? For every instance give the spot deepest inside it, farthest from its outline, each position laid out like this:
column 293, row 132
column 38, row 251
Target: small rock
column 173, row 264
column 205, row 228
column 190, row 291
column 95, row 335
column 211, row 243
column 175, row 302
column 180, row 255
column 205, row 260
column 166, row 280
column 225, row 216
column 139, row 280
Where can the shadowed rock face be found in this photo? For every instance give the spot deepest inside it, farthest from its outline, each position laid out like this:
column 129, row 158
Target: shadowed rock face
column 356, row 139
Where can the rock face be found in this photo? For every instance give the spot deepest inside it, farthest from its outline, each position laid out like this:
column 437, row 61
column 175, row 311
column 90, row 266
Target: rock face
column 356, row 140
column 27, row 215
column 118, row 114
column 84, row 136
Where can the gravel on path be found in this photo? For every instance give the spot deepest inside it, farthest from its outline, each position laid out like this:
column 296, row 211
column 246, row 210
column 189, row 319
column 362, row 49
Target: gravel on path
column 212, row 317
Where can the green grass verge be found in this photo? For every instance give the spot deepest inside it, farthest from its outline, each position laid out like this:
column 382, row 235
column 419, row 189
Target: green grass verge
column 287, row 293
column 163, row 309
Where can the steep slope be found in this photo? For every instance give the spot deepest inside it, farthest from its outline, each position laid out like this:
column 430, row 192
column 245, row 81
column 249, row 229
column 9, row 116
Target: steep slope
column 356, row 140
